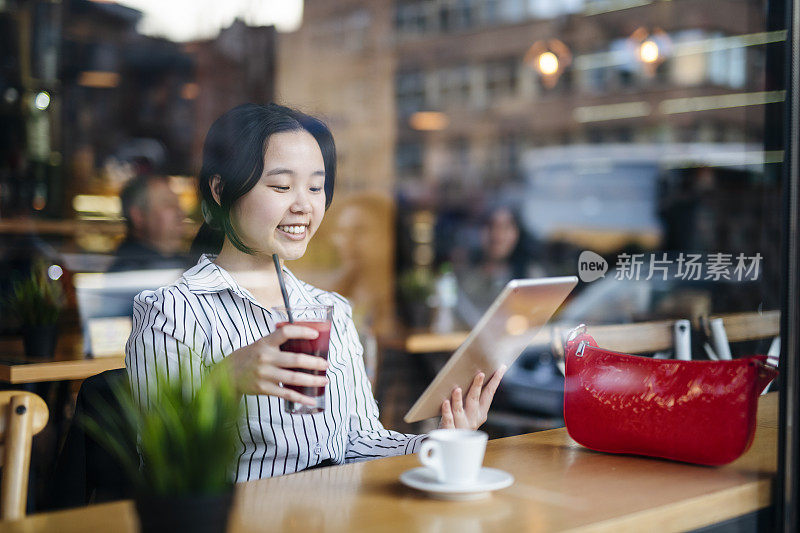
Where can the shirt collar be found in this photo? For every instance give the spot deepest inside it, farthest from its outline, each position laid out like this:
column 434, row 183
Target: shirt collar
column 206, row 277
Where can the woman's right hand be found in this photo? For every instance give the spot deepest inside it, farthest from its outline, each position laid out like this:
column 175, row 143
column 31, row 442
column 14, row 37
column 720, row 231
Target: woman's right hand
column 262, row 368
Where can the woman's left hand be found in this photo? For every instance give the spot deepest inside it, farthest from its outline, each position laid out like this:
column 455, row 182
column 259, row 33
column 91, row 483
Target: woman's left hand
column 470, row 412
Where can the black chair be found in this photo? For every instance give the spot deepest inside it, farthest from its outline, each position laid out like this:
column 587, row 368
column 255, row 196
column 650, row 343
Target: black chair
column 84, row 471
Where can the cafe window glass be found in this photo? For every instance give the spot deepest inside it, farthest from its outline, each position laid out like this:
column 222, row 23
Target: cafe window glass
column 633, row 131
column 641, row 132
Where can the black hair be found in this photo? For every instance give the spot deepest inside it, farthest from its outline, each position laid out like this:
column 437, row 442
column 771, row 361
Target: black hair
column 525, row 250
column 234, row 150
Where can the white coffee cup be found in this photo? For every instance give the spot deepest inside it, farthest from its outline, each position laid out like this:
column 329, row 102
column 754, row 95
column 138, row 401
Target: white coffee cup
column 455, row 455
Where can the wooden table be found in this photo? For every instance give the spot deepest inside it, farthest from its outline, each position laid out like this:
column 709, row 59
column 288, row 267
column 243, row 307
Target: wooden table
column 559, row 486
column 433, row 342
column 69, row 362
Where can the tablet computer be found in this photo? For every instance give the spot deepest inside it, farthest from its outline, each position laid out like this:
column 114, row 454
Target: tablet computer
column 503, row 332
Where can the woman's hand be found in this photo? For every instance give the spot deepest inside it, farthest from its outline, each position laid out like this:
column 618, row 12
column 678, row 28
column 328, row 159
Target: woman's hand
column 262, row 368
column 470, row 413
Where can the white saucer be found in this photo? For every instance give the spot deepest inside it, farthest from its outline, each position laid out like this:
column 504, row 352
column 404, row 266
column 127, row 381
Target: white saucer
column 489, row 479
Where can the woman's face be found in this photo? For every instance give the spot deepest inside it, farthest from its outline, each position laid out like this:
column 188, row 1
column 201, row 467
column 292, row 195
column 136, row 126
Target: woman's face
column 501, row 235
column 285, row 208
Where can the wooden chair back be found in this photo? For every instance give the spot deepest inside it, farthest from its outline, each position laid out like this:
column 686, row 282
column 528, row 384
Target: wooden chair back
column 22, row 415
column 655, row 336
column 748, row 326
column 641, row 337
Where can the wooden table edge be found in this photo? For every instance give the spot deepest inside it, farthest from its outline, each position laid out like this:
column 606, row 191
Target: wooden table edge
column 59, row 370
column 691, row 514
column 124, row 509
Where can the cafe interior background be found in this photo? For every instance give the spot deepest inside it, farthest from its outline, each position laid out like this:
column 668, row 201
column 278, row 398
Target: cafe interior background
column 629, row 128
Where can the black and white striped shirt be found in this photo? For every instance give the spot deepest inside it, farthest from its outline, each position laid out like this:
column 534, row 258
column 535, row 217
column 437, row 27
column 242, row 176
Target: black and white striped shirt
column 186, row 327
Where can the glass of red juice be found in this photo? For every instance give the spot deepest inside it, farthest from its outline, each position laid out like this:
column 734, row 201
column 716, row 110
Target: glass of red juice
column 318, row 317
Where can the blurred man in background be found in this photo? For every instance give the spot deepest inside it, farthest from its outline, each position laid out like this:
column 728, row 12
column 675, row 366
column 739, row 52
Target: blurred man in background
column 155, row 226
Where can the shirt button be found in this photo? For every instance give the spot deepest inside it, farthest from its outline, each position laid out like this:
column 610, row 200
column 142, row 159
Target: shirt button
column 317, row 449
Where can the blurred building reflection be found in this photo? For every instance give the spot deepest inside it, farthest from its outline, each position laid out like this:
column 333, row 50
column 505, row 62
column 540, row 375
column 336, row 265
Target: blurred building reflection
column 237, row 66
column 86, row 103
column 123, row 110
column 609, row 124
column 602, row 120
column 120, row 103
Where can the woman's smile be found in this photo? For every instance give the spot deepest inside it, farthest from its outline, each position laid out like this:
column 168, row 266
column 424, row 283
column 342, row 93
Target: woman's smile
column 294, row 232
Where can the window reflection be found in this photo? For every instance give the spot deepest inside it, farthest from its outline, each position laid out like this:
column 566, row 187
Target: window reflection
column 609, row 125
column 625, row 128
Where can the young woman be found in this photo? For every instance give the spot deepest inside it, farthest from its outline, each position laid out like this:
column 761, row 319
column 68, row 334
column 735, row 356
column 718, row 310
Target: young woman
column 267, row 179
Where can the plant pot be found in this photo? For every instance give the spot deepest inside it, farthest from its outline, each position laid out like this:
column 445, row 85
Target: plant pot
column 40, row 340
column 198, row 513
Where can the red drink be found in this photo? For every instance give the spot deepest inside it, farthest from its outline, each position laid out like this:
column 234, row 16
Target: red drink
column 317, row 347
column 317, row 317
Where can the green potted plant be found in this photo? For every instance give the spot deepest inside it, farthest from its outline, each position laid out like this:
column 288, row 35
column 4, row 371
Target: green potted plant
column 179, row 452
column 36, row 303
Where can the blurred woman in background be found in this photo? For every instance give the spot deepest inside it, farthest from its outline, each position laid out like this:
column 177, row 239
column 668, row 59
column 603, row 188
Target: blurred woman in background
column 507, row 252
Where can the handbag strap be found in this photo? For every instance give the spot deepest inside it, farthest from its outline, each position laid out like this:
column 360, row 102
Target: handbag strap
column 575, row 332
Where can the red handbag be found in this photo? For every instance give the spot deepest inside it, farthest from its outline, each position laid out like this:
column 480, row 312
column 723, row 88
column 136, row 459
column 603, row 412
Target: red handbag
column 701, row 412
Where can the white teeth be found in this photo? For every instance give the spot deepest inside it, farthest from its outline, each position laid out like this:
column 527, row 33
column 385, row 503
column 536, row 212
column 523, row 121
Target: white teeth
column 293, row 229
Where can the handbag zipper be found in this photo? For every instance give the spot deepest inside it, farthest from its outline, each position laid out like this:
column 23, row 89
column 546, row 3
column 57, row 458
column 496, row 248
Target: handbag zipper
column 581, row 346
